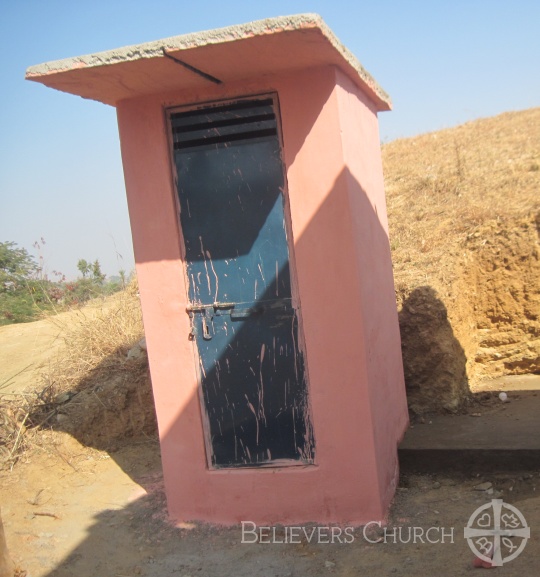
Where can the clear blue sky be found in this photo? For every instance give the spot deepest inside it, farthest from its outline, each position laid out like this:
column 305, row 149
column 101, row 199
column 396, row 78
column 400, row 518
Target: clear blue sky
column 443, row 62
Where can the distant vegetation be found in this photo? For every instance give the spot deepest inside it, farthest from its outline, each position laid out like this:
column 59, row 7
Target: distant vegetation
column 26, row 291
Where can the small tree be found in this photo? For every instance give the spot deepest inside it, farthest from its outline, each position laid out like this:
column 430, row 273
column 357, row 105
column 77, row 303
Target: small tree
column 16, row 267
column 97, row 275
column 84, row 267
column 18, row 284
column 91, row 285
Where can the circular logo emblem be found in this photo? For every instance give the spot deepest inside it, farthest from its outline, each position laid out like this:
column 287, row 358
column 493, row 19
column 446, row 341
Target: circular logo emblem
column 497, row 532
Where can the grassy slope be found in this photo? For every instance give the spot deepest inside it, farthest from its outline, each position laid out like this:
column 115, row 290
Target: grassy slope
column 462, row 207
column 442, row 186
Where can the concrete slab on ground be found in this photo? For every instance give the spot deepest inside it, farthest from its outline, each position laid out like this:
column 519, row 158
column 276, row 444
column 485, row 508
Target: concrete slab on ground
column 495, row 435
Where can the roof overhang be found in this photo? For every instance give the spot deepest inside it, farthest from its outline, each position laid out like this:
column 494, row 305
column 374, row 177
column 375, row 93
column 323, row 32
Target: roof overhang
column 193, row 61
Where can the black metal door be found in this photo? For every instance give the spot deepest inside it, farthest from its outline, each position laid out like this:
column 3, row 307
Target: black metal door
column 230, row 188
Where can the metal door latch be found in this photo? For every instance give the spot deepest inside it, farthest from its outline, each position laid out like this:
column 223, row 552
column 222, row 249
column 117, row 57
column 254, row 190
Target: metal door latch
column 207, row 317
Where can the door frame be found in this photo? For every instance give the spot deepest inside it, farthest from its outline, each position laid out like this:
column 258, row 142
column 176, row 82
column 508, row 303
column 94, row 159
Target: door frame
column 295, row 297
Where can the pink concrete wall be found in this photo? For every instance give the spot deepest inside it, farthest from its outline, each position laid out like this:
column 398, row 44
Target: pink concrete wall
column 344, row 284
column 384, row 365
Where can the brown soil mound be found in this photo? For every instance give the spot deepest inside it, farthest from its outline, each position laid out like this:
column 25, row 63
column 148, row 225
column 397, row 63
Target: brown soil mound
column 98, row 389
column 501, row 276
column 464, row 210
column 94, row 385
column 102, row 415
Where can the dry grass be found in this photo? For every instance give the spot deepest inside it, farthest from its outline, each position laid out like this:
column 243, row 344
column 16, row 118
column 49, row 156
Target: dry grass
column 442, row 186
column 13, row 440
column 97, row 341
column 97, row 338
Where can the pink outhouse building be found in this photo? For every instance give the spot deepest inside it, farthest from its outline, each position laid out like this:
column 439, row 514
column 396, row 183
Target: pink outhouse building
column 255, row 191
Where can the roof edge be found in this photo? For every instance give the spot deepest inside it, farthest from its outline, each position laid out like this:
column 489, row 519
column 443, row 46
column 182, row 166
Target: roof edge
column 192, row 40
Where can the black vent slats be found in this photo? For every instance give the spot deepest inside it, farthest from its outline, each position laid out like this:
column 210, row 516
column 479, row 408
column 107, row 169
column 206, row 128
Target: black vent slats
column 233, row 122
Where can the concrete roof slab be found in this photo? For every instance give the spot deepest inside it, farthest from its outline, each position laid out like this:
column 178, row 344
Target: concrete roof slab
column 246, row 51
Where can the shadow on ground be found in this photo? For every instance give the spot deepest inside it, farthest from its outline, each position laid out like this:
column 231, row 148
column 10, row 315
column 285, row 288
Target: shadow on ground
column 137, row 539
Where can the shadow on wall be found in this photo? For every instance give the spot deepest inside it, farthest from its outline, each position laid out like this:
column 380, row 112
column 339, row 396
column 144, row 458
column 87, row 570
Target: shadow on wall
column 361, row 352
column 434, row 361
column 315, row 259
column 122, row 408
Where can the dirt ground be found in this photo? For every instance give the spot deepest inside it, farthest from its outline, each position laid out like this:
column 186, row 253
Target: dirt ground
column 25, row 348
column 72, row 510
column 69, row 510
